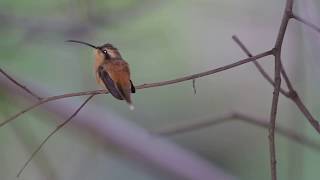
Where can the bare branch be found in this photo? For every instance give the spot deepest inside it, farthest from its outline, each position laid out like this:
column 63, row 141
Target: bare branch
column 257, row 64
column 284, row 24
column 231, row 117
column 143, row 86
column 306, row 22
column 286, row 79
column 291, row 94
column 52, row 133
column 277, row 85
column 297, row 100
column 19, row 84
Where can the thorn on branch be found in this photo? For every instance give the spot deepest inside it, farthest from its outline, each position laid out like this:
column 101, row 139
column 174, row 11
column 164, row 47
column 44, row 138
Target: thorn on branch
column 194, row 86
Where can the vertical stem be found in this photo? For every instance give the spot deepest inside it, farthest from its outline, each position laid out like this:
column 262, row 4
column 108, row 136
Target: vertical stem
column 277, row 80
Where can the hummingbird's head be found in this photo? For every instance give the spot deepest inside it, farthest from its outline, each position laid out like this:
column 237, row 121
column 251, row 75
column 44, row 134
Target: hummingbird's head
column 110, row 50
column 100, row 51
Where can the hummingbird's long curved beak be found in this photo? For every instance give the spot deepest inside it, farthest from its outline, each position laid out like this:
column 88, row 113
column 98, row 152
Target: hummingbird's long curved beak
column 85, row 43
column 95, row 47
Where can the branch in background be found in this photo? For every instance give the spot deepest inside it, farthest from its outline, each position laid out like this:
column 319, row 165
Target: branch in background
column 192, row 126
column 52, row 133
column 143, row 86
column 306, row 22
column 19, row 84
column 231, row 117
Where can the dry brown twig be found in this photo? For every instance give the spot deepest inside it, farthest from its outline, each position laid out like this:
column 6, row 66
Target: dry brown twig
column 279, row 71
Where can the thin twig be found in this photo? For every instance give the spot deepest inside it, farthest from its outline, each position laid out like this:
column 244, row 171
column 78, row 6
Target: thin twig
column 286, row 79
column 52, row 133
column 297, row 100
column 19, row 84
column 291, row 94
column 143, row 86
column 231, row 117
column 306, row 22
column 257, row 64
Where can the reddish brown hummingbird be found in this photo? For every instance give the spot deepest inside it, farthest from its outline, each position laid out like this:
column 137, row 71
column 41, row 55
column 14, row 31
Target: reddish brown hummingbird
column 112, row 71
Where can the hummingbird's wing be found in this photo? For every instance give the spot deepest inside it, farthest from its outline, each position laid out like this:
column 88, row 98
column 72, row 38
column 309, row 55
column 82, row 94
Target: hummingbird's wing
column 108, row 82
column 133, row 89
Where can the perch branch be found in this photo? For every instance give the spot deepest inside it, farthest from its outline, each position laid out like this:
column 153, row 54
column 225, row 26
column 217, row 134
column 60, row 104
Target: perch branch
column 143, row 86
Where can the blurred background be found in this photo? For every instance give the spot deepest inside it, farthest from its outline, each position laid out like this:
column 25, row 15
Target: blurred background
column 161, row 40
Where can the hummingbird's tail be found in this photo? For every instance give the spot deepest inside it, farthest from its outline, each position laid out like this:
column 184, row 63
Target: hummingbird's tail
column 125, row 93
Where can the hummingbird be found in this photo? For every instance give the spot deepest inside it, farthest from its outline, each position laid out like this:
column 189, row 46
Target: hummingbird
column 112, row 71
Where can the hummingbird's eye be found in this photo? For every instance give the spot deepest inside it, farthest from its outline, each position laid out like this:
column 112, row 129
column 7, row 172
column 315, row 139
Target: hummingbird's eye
column 104, row 51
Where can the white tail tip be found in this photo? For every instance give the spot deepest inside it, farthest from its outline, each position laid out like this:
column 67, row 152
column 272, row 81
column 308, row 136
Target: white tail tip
column 131, row 107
